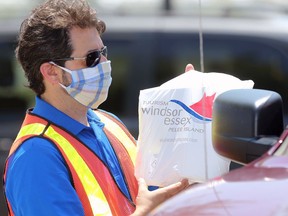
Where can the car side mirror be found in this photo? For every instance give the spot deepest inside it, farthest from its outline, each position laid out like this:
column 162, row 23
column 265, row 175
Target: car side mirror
column 246, row 123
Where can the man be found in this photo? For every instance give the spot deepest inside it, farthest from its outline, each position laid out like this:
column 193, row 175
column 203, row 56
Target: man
column 68, row 159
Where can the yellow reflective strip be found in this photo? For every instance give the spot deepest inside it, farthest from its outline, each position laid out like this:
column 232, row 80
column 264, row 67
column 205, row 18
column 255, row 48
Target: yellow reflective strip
column 120, row 134
column 31, row 129
column 95, row 194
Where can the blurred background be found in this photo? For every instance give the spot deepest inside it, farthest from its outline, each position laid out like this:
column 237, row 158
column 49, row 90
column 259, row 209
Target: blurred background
column 150, row 42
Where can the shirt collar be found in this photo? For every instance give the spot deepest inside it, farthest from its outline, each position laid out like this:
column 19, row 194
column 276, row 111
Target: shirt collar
column 49, row 112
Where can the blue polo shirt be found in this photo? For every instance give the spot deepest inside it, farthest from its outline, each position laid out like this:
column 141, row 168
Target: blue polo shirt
column 38, row 182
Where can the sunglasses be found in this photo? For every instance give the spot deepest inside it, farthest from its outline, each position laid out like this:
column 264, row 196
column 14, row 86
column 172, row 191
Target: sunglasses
column 92, row 58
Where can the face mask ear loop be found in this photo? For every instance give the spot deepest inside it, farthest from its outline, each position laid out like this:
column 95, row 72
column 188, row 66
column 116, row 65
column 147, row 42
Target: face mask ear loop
column 63, row 68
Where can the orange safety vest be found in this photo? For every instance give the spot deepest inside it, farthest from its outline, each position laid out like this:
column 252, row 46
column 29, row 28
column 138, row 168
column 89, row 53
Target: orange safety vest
column 92, row 180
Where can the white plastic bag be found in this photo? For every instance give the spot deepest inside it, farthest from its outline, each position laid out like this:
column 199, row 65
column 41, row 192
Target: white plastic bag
column 175, row 128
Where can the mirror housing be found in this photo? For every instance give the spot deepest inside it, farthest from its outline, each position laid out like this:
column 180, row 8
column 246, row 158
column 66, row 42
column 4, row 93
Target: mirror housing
column 246, row 123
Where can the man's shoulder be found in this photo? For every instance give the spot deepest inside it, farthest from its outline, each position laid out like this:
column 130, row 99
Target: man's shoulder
column 33, row 156
column 33, row 150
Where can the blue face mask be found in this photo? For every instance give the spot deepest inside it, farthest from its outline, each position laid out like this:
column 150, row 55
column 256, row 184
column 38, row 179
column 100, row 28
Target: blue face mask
column 89, row 86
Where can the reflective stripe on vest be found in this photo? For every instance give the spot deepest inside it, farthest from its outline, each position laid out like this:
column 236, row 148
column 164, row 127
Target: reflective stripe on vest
column 114, row 129
column 119, row 132
column 96, row 200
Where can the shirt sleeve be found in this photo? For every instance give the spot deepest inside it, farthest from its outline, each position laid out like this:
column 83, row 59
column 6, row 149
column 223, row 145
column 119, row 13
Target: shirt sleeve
column 38, row 182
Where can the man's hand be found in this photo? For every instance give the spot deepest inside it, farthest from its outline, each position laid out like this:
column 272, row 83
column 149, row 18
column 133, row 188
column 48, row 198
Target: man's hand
column 148, row 200
column 189, row 67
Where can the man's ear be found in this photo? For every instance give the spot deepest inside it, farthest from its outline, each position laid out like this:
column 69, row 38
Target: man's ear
column 50, row 72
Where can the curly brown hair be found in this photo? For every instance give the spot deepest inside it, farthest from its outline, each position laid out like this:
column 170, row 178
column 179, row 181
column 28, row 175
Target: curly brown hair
column 44, row 35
